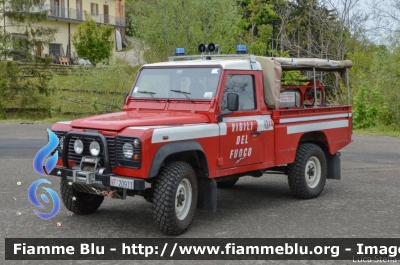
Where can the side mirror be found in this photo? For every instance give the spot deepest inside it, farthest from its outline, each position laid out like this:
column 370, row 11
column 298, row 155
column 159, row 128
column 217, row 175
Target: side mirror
column 126, row 94
column 233, row 102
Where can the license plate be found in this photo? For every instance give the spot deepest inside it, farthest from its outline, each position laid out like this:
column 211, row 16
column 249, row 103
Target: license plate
column 122, row 183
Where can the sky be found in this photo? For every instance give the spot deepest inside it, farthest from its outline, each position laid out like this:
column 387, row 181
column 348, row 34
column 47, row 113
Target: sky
column 375, row 29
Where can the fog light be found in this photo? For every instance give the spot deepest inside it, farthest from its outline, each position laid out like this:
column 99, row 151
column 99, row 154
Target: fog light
column 136, row 142
column 127, row 150
column 78, row 147
column 94, row 148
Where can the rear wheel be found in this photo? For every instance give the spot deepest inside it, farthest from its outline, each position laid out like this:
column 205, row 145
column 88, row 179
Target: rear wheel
column 307, row 174
column 175, row 198
column 79, row 202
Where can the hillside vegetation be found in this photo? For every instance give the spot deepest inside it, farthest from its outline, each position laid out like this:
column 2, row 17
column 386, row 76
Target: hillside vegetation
column 363, row 31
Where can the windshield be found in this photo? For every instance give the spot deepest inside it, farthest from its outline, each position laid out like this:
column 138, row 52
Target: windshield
column 173, row 83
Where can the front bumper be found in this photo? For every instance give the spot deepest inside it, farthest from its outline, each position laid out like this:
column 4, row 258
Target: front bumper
column 77, row 176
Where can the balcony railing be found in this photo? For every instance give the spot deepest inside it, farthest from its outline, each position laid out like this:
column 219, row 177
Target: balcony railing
column 76, row 15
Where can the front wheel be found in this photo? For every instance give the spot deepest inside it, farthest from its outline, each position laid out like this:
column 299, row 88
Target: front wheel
column 79, row 202
column 175, row 198
column 307, row 174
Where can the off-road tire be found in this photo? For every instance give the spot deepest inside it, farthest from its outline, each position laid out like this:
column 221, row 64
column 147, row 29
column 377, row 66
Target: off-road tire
column 310, row 156
column 171, row 214
column 227, row 183
column 79, row 202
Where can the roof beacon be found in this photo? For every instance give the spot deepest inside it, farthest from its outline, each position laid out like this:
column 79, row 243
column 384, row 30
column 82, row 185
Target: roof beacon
column 241, row 49
column 179, row 51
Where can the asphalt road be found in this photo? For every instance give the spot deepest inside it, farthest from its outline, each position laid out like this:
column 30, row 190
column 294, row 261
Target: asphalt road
column 365, row 203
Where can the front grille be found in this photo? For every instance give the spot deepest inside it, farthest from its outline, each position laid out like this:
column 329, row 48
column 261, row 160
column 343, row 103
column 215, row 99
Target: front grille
column 111, row 150
column 59, row 135
column 114, row 145
column 72, row 156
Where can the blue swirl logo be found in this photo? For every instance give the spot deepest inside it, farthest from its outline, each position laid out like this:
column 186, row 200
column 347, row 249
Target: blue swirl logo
column 34, row 200
column 44, row 152
column 49, row 165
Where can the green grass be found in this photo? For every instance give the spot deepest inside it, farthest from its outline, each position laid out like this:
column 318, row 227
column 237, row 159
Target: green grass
column 378, row 131
column 91, row 90
column 32, row 120
column 84, row 91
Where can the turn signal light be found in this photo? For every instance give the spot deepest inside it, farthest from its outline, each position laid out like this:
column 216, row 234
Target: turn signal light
column 136, row 157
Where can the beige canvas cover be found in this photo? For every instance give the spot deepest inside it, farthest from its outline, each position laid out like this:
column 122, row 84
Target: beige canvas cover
column 311, row 63
column 273, row 66
column 272, row 72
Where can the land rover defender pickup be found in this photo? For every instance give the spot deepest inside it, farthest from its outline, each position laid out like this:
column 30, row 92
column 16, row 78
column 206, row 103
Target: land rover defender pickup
column 190, row 126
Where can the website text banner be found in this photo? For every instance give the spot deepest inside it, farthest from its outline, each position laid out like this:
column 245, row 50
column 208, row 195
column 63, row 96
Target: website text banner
column 355, row 249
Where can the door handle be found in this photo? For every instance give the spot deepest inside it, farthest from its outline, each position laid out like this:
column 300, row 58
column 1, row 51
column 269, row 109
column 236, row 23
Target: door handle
column 256, row 133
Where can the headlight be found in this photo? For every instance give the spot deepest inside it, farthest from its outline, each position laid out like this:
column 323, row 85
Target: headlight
column 78, row 147
column 94, row 148
column 61, row 143
column 127, row 150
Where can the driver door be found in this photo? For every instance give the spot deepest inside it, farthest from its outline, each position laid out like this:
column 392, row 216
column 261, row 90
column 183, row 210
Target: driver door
column 241, row 141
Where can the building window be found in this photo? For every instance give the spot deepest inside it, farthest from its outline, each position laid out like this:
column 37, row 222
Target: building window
column 79, row 11
column 55, row 8
column 242, row 85
column 105, row 14
column 55, row 50
column 94, row 9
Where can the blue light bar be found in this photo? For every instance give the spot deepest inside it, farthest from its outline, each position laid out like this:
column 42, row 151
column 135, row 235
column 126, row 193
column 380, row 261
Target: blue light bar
column 241, row 49
column 179, row 51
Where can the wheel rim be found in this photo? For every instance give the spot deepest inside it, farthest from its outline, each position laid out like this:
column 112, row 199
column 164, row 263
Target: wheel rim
column 183, row 199
column 313, row 172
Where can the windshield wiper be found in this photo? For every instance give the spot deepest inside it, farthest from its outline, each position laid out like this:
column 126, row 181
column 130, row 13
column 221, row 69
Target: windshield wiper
column 183, row 92
column 148, row 93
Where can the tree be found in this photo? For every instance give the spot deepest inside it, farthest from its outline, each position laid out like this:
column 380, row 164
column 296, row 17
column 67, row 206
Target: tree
column 255, row 25
column 93, row 42
column 163, row 25
column 23, row 85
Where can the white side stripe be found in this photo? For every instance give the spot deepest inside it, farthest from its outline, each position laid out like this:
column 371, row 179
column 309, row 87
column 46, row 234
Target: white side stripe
column 163, row 126
column 185, row 132
column 147, row 127
column 196, row 131
column 317, row 126
column 315, row 118
column 64, row 122
column 260, row 119
column 261, row 126
column 247, row 118
column 222, row 128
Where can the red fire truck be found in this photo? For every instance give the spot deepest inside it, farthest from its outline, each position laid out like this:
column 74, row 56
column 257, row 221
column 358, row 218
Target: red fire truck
column 198, row 123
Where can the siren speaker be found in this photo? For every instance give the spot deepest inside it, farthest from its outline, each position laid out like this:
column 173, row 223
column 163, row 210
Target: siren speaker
column 202, row 48
column 211, row 47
